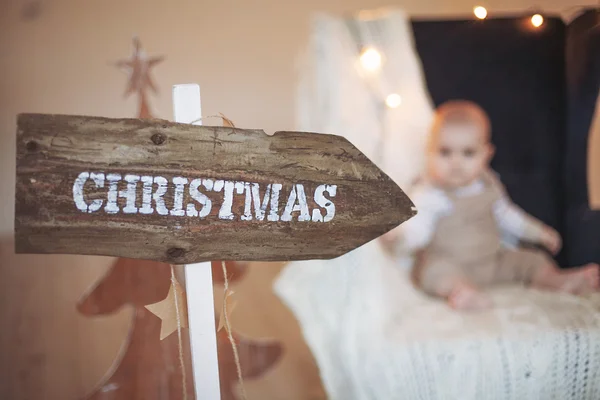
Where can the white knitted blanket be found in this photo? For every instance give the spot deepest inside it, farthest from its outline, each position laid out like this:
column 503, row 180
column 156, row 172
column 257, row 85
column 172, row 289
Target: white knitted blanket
column 372, row 334
column 375, row 337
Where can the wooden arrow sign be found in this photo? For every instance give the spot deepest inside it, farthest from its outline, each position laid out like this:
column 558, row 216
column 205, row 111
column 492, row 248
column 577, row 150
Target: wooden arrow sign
column 182, row 193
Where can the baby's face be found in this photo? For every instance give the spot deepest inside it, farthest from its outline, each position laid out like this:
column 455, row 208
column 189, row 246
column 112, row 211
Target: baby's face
column 458, row 155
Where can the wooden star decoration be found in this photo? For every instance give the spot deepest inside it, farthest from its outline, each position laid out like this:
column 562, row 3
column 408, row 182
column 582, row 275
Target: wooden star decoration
column 172, row 310
column 138, row 67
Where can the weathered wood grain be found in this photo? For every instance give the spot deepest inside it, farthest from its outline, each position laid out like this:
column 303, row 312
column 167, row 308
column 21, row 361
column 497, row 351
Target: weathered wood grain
column 53, row 150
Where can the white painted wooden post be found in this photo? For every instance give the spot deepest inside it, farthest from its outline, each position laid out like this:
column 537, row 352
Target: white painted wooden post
column 198, row 278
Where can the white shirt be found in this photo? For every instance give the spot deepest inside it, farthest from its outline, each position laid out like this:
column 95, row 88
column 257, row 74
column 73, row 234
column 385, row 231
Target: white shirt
column 432, row 204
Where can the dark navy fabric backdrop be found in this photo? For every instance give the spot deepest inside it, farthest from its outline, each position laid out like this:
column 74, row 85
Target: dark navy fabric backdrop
column 583, row 81
column 517, row 74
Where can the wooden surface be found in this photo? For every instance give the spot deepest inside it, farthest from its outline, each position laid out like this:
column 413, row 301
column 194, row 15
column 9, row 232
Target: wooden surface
column 52, row 150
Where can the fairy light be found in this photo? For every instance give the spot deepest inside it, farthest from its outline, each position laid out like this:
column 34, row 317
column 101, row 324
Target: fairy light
column 393, row 100
column 537, row 20
column 370, row 59
column 480, row 12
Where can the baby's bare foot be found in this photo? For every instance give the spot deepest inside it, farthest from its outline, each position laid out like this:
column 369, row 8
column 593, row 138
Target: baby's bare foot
column 581, row 279
column 468, row 298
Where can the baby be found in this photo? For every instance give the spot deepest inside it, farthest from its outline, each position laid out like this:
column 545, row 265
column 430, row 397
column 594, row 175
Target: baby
column 463, row 213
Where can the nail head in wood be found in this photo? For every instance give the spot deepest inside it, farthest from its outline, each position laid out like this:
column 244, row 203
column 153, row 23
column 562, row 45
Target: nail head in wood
column 158, row 138
column 175, row 252
column 31, row 146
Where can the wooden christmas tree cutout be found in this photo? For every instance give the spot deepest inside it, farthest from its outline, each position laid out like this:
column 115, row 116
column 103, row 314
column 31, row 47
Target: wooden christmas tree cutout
column 149, row 366
column 148, row 362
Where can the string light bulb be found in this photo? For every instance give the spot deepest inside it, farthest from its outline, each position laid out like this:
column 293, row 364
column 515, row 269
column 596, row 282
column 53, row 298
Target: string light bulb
column 370, row 59
column 393, row 100
column 537, row 20
column 480, row 12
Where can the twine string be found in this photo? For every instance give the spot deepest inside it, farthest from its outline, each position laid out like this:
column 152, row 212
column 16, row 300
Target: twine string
column 236, row 356
column 179, row 340
column 221, row 116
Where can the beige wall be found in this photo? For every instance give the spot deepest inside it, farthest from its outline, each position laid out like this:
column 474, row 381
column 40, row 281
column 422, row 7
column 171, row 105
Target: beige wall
column 242, row 54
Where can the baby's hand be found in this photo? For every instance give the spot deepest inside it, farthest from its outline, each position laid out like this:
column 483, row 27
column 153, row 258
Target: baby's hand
column 551, row 240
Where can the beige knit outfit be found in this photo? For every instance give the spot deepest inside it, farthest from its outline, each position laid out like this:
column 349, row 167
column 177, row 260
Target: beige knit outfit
column 466, row 247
